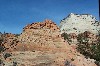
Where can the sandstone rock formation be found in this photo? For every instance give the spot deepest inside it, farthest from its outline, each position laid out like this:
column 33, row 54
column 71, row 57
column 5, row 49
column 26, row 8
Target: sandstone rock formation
column 41, row 44
column 79, row 23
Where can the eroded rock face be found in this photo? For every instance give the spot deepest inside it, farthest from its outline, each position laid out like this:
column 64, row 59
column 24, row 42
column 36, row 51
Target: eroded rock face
column 47, row 24
column 40, row 31
column 41, row 44
column 79, row 23
column 9, row 41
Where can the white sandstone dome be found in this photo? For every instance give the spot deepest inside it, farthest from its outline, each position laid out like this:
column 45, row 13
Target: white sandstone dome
column 75, row 23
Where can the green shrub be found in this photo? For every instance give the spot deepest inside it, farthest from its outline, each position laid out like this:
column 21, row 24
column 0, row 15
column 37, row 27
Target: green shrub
column 97, row 63
column 66, row 37
column 1, row 40
column 6, row 55
column 0, row 61
column 89, row 50
column 1, row 49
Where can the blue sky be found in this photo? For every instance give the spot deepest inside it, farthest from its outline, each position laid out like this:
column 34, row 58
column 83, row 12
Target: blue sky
column 15, row 14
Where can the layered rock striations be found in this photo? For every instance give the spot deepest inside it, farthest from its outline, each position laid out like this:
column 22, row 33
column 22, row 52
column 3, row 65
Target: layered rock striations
column 41, row 44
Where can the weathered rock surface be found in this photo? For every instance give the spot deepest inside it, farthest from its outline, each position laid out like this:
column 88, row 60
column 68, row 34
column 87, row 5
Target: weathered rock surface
column 41, row 44
column 79, row 23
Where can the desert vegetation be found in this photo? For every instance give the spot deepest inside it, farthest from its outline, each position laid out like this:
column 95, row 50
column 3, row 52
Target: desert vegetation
column 89, row 50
